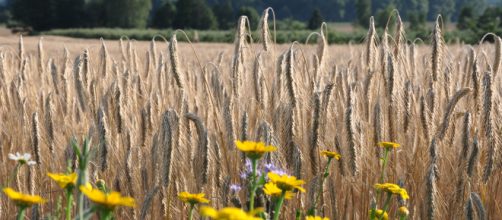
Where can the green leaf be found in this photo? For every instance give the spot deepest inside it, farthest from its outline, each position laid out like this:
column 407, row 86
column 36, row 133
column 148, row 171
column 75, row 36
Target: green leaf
column 261, row 181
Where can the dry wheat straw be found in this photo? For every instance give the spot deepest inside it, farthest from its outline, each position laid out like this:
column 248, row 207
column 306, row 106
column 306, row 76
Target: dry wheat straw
column 104, row 139
column 398, row 37
column 104, row 57
column 35, row 138
column 79, row 83
column 449, row 111
column 437, row 50
column 466, row 134
column 175, row 62
column 351, row 130
column 265, row 29
column 473, row 158
column 41, row 57
column 147, row 202
column 244, row 126
column 480, row 209
column 431, row 187
column 49, row 123
column 488, row 124
column 257, row 78
column 498, row 56
column 314, row 144
column 408, row 101
column 21, row 51
column 469, row 211
column 201, row 162
column 371, row 46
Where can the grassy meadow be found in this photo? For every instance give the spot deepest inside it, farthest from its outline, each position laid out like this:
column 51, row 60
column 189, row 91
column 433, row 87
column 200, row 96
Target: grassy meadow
column 165, row 117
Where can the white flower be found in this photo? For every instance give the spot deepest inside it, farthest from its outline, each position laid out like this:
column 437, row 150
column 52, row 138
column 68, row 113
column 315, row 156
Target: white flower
column 22, row 158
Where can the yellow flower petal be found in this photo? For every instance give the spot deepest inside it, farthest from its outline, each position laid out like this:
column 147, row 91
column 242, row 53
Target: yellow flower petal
column 187, row 197
column 109, row 201
column 22, row 199
column 388, row 145
column 64, row 180
column 331, row 154
column 229, row 213
column 316, row 218
column 254, row 150
column 286, row 182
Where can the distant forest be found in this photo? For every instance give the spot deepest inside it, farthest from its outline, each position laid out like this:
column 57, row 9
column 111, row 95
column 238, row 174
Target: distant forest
column 222, row 14
column 346, row 10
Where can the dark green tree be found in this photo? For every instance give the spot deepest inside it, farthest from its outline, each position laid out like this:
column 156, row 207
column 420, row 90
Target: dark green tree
column 164, row 16
column 40, row 15
column 315, row 20
column 94, row 14
column 363, row 10
column 417, row 13
column 127, row 13
column 443, row 7
column 490, row 21
column 194, row 14
column 382, row 15
column 466, row 18
column 70, row 13
column 252, row 14
column 224, row 14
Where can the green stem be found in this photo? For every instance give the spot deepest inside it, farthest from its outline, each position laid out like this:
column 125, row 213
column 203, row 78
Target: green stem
column 319, row 193
column 107, row 215
column 190, row 213
column 382, row 174
column 69, row 202
column 386, row 205
column 384, row 165
column 22, row 211
column 402, row 217
column 277, row 209
column 253, row 184
column 14, row 174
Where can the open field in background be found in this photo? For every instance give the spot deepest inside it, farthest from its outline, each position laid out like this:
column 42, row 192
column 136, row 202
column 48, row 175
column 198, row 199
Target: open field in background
column 159, row 129
column 338, row 33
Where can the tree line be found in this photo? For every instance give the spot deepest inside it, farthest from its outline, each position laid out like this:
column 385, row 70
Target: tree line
column 222, row 14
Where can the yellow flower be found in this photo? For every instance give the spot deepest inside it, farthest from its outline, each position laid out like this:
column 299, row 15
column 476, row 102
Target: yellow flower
column 229, row 213
column 254, row 150
column 403, row 211
column 271, row 189
column 22, row 199
column 331, row 154
column 388, row 145
column 109, row 201
column 316, row 218
column 394, row 189
column 285, row 182
column 64, row 180
column 378, row 214
column 187, row 197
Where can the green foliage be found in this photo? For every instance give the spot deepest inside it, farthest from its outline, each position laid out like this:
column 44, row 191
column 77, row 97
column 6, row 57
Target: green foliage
column 363, row 10
column 194, row 14
column 127, row 13
column 417, row 15
column 466, row 18
column 383, row 15
column 252, row 14
column 164, row 16
column 224, row 15
column 290, row 24
column 315, row 20
column 43, row 15
column 283, row 36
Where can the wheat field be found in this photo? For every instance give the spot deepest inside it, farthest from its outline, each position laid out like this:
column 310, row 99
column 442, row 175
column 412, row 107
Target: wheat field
column 163, row 118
